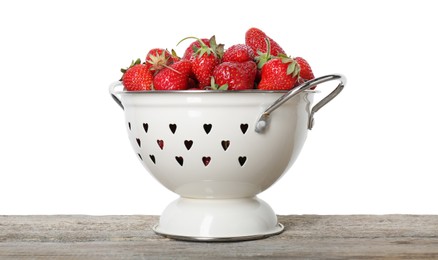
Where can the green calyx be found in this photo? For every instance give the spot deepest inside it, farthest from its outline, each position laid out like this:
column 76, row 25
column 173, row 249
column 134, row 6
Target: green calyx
column 293, row 68
column 218, row 49
column 174, row 55
column 133, row 63
column 214, row 86
column 158, row 61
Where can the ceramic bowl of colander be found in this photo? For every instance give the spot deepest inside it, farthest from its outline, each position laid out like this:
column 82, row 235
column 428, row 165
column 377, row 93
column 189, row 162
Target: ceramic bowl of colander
column 217, row 150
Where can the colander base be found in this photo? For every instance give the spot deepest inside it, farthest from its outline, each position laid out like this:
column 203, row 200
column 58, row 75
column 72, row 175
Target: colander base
column 279, row 228
column 218, row 220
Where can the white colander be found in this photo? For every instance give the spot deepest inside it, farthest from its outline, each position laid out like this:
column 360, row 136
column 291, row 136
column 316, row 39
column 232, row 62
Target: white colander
column 218, row 150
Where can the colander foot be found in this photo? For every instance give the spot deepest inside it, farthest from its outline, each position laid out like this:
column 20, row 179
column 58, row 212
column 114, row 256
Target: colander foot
column 219, row 220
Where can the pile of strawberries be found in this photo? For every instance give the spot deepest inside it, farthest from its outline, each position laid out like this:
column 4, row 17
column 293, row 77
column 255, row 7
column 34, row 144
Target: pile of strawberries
column 260, row 63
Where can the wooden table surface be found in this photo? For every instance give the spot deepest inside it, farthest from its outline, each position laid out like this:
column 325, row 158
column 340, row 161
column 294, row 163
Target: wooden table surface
column 305, row 237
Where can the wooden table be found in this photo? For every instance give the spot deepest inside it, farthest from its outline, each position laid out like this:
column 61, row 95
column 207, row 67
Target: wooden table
column 305, row 237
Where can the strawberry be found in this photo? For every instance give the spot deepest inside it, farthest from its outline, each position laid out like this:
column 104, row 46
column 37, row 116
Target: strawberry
column 174, row 77
column 137, row 77
column 238, row 53
column 235, row 75
column 250, row 69
column 203, row 67
column 279, row 73
column 158, row 58
column 189, row 52
column 306, row 72
column 206, row 57
column 255, row 38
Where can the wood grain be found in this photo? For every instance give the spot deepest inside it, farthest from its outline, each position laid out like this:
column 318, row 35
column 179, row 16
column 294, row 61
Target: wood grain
column 305, row 237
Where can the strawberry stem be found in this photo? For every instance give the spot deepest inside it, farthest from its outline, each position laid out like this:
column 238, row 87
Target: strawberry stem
column 268, row 46
column 190, row 37
column 172, row 69
column 264, row 57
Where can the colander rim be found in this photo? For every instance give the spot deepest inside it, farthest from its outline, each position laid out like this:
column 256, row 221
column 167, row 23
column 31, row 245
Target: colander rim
column 207, row 91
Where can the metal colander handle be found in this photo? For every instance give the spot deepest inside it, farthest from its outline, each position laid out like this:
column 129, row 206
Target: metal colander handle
column 113, row 94
column 263, row 120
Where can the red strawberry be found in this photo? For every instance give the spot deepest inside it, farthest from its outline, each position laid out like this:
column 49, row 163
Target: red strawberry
column 279, row 73
column 255, row 38
column 205, row 60
column 137, row 77
column 189, row 53
column 203, row 67
column 158, row 58
column 174, row 77
column 238, row 53
column 250, row 69
column 235, row 75
column 306, row 72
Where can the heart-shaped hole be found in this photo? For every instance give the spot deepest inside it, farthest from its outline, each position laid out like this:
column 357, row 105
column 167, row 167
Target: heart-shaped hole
column 188, row 144
column 207, row 128
column 242, row 160
column 244, row 128
column 138, row 142
column 145, row 127
column 152, row 158
column 225, row 144
column 172, row 128
column 180, row 160
column 206, row 160
column 160, row 144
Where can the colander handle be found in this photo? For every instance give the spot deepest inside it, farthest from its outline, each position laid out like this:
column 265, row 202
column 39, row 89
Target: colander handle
column 113, row 93
column 263, row 121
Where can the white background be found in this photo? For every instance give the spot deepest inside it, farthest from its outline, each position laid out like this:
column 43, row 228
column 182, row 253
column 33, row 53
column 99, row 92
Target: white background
column 63, row 143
